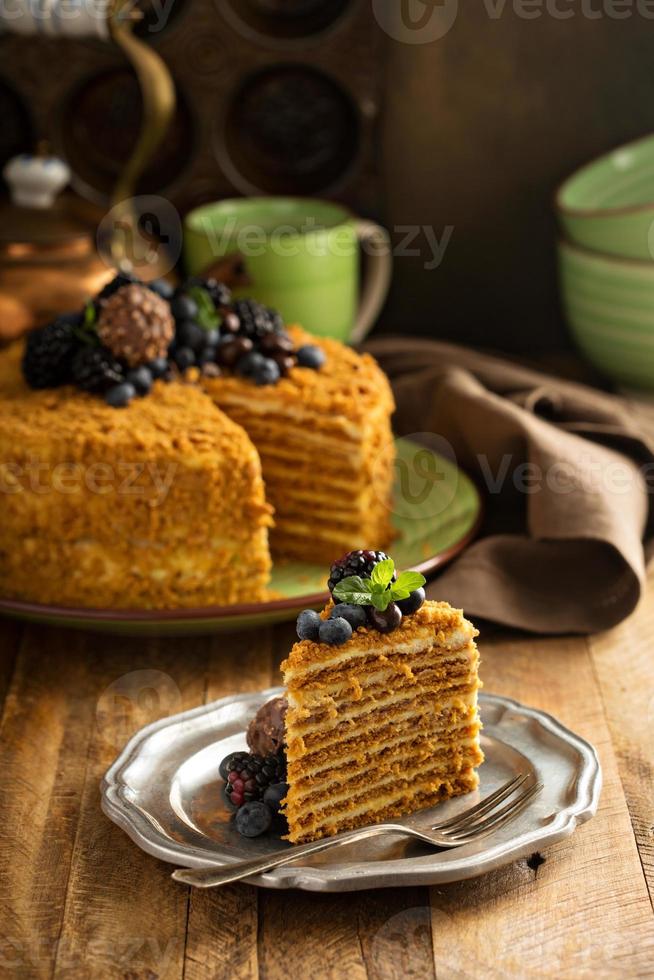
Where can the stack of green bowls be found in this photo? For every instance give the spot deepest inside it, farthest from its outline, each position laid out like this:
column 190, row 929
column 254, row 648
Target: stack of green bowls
column 606, row 261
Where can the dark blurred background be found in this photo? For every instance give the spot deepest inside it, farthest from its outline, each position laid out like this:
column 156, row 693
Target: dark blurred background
column 456, row 145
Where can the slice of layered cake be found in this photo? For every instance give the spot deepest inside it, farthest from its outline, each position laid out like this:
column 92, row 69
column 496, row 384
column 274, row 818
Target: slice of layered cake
column 380, row 716
column 324, row 435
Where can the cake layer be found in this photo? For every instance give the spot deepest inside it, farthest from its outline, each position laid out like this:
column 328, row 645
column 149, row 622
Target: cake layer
column 158, row 506
column 382, row 724
column 323, row 437
column 367, row 783
column 429, row 669
column 395, row 802
column 401, row 752
column 421, row 710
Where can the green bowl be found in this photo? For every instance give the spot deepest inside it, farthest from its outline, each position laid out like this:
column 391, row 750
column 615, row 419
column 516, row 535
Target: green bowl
column 608, row 205
column 609, row 304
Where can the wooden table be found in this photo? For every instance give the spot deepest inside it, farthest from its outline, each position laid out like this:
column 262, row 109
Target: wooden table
column 80, row 900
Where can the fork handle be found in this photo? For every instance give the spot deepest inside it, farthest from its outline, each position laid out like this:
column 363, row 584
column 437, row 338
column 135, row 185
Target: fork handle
column 214, row 877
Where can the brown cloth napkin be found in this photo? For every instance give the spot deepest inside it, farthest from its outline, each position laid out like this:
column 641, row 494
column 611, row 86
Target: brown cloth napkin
column 563, row 544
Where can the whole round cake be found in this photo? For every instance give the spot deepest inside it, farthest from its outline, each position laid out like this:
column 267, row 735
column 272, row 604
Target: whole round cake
column 156, row 445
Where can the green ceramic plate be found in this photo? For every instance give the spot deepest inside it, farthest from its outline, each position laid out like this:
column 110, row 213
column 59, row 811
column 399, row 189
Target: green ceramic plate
column 436, row 512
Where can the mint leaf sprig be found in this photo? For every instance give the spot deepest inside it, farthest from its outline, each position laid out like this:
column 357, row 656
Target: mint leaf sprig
column 379, row 590
column 207, row 316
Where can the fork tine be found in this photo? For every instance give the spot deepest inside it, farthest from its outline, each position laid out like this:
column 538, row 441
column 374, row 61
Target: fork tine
column 488, row 803
column 497, row 820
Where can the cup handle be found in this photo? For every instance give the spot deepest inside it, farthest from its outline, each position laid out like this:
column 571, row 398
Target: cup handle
column 377, row 278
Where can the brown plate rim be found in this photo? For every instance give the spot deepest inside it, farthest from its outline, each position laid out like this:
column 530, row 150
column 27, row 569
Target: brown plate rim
column 207, row 613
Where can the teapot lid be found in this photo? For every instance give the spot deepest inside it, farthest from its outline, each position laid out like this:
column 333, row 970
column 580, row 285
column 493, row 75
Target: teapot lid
column 35, row 214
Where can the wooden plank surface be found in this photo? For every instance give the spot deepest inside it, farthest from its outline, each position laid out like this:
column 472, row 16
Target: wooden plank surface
column 79, row 899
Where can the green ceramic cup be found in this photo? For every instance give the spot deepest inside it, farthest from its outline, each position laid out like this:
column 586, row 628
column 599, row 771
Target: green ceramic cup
column 298, row 255
column 608, row 205
column 609, row 304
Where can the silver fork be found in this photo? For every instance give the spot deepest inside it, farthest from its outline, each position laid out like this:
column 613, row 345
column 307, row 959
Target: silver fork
column 463, row 829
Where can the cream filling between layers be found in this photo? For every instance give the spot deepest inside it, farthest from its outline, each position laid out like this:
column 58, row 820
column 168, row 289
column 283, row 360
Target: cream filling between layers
column 344, row 791
column 361, row 686
column 455, row 640
column 429, row 786
column 432, row 701
column 406, row 748
column 249, row 408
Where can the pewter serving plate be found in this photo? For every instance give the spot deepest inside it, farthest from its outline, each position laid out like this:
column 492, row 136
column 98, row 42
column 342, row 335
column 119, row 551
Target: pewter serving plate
column 165, row 792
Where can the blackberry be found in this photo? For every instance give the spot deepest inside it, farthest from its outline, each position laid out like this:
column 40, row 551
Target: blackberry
column 95, row 369
column 49, row 353
column 220, row 293
column 256, row 320
column 355, row 563
column 249, row 776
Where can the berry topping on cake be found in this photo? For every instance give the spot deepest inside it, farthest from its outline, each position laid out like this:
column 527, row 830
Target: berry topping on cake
column 413, row 603
column 95, row 369
column 49, row 351
column 355, row 615
column 120, row 395
column 256, row 320
column 136, row 324
column 387, row 620
column 155, row 328
column 141, row 378
column 380, row 593
column 308, row 624
column 354, row 563
column 311, row 356
column 335, row 632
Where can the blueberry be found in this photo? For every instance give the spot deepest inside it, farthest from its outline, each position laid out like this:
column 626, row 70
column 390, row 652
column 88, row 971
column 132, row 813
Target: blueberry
column 355, row 615
column 226, row 764
column 274, row 795
column 184, row 358
column 158, row 367
column 183, row 307
column 120, row 395
column 162, row 288
column 311, row 356
column 268, row 373
column 190, row 334
column 248, row 365
column 386, row 621
column 335, row 631
column 412, row 603
column 308, row 625
column 212, row 337
column 253, row 819
column 141, row 378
